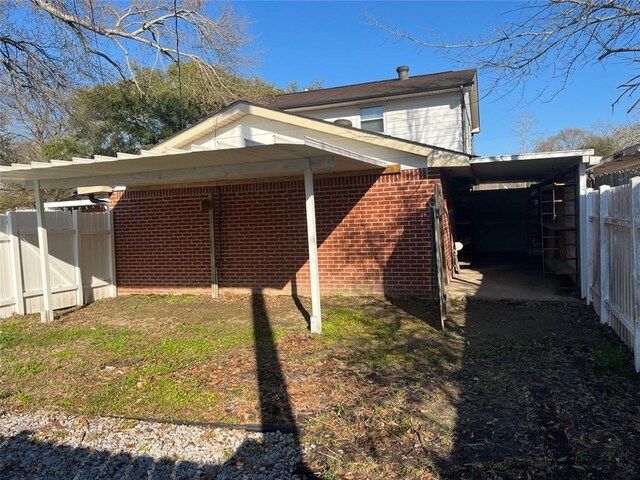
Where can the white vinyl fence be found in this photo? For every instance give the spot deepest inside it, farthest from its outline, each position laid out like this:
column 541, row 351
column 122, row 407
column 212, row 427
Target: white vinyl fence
column 82, row 266
column 613, row 249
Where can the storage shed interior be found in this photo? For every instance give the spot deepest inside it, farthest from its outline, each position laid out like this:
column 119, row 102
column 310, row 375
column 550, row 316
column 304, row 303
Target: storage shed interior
column 520, row 229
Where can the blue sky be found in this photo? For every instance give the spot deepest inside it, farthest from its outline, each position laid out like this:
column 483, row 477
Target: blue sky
column 336, row 43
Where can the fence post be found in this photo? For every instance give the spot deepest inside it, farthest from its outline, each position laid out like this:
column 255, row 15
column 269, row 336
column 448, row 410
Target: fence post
column 605, row 196
column 589, row 244
column 16, row 264
column 583, row 223
column 77, row 257
column 635, row 266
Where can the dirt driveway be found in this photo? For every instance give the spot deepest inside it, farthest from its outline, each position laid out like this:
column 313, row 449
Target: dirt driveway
column 510, row 390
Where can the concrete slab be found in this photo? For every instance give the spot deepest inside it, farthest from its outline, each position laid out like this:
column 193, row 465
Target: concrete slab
column 508, row 281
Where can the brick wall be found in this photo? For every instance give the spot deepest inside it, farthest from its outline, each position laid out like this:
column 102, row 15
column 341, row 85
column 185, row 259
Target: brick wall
column 373, row 236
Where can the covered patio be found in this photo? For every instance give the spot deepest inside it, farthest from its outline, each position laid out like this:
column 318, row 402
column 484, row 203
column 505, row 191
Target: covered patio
column 242, row 143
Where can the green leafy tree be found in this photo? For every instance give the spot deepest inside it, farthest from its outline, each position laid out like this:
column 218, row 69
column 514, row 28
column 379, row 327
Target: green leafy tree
column 123, row 117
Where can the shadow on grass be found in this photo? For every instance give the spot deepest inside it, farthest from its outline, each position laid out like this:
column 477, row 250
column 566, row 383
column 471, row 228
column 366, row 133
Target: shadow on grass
column 275, row 404
column 510, row 390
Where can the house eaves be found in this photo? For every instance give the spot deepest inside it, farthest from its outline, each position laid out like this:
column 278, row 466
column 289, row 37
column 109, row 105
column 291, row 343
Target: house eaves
column 369, row 99
column 436, row 156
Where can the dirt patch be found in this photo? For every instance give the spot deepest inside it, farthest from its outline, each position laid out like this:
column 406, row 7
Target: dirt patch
column 535, row 400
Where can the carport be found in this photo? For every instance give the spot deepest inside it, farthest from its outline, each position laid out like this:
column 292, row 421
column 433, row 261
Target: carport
column 244, row 142
column 521, row 221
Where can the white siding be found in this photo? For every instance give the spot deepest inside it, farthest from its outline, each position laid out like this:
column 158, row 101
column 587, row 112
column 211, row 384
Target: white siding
column 433, row 120
column 262, row 130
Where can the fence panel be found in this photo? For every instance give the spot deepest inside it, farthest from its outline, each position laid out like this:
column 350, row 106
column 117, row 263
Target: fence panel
column 96, row 253
column 620, row 301
column 75, row 278
column 614, row 260
column 7, row 295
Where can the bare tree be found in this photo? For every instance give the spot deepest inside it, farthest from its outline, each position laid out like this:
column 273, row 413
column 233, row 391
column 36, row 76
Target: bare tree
column 551, row 40
column 53, row 43
column 565, row 139
column 524, row 128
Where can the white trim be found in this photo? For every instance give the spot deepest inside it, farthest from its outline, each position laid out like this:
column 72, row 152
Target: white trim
column 218, row 172
column 382, row 98
column 586, row 154
column 73, row 204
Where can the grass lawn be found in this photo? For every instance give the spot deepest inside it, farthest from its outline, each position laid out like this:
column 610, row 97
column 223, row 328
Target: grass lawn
column 510, row 390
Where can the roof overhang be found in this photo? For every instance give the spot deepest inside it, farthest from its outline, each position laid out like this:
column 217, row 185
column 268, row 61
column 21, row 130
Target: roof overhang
column 368, row 99
column 185, row 158
column 627, row 159
column 529, row 167
column 149, row 168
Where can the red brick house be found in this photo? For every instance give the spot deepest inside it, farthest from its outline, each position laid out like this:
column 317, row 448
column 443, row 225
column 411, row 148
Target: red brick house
column 373, row 227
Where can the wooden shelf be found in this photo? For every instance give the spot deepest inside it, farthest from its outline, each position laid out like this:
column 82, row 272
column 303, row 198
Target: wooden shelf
column 558, row 221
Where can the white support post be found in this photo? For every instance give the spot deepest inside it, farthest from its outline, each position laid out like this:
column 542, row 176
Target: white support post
column 46, row 315
column 605, row 196
column 215, row 289
column 589, row 244
column 112, row 254
column 76, row 258
column 635, row 236
column 16, row 263
column 316, row 315
column 583, row 223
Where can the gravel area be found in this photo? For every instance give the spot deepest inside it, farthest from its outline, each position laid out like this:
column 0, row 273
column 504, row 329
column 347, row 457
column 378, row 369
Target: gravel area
column 58, row 446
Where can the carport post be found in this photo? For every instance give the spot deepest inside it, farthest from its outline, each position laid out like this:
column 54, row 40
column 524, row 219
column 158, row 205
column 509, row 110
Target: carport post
column 46, row 315
column 316, row 318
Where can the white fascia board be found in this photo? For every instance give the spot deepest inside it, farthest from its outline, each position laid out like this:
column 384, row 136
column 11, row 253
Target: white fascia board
column 535, row 156
column 215, row 122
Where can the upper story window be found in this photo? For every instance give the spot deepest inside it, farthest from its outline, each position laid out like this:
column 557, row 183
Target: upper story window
column 372, row 118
